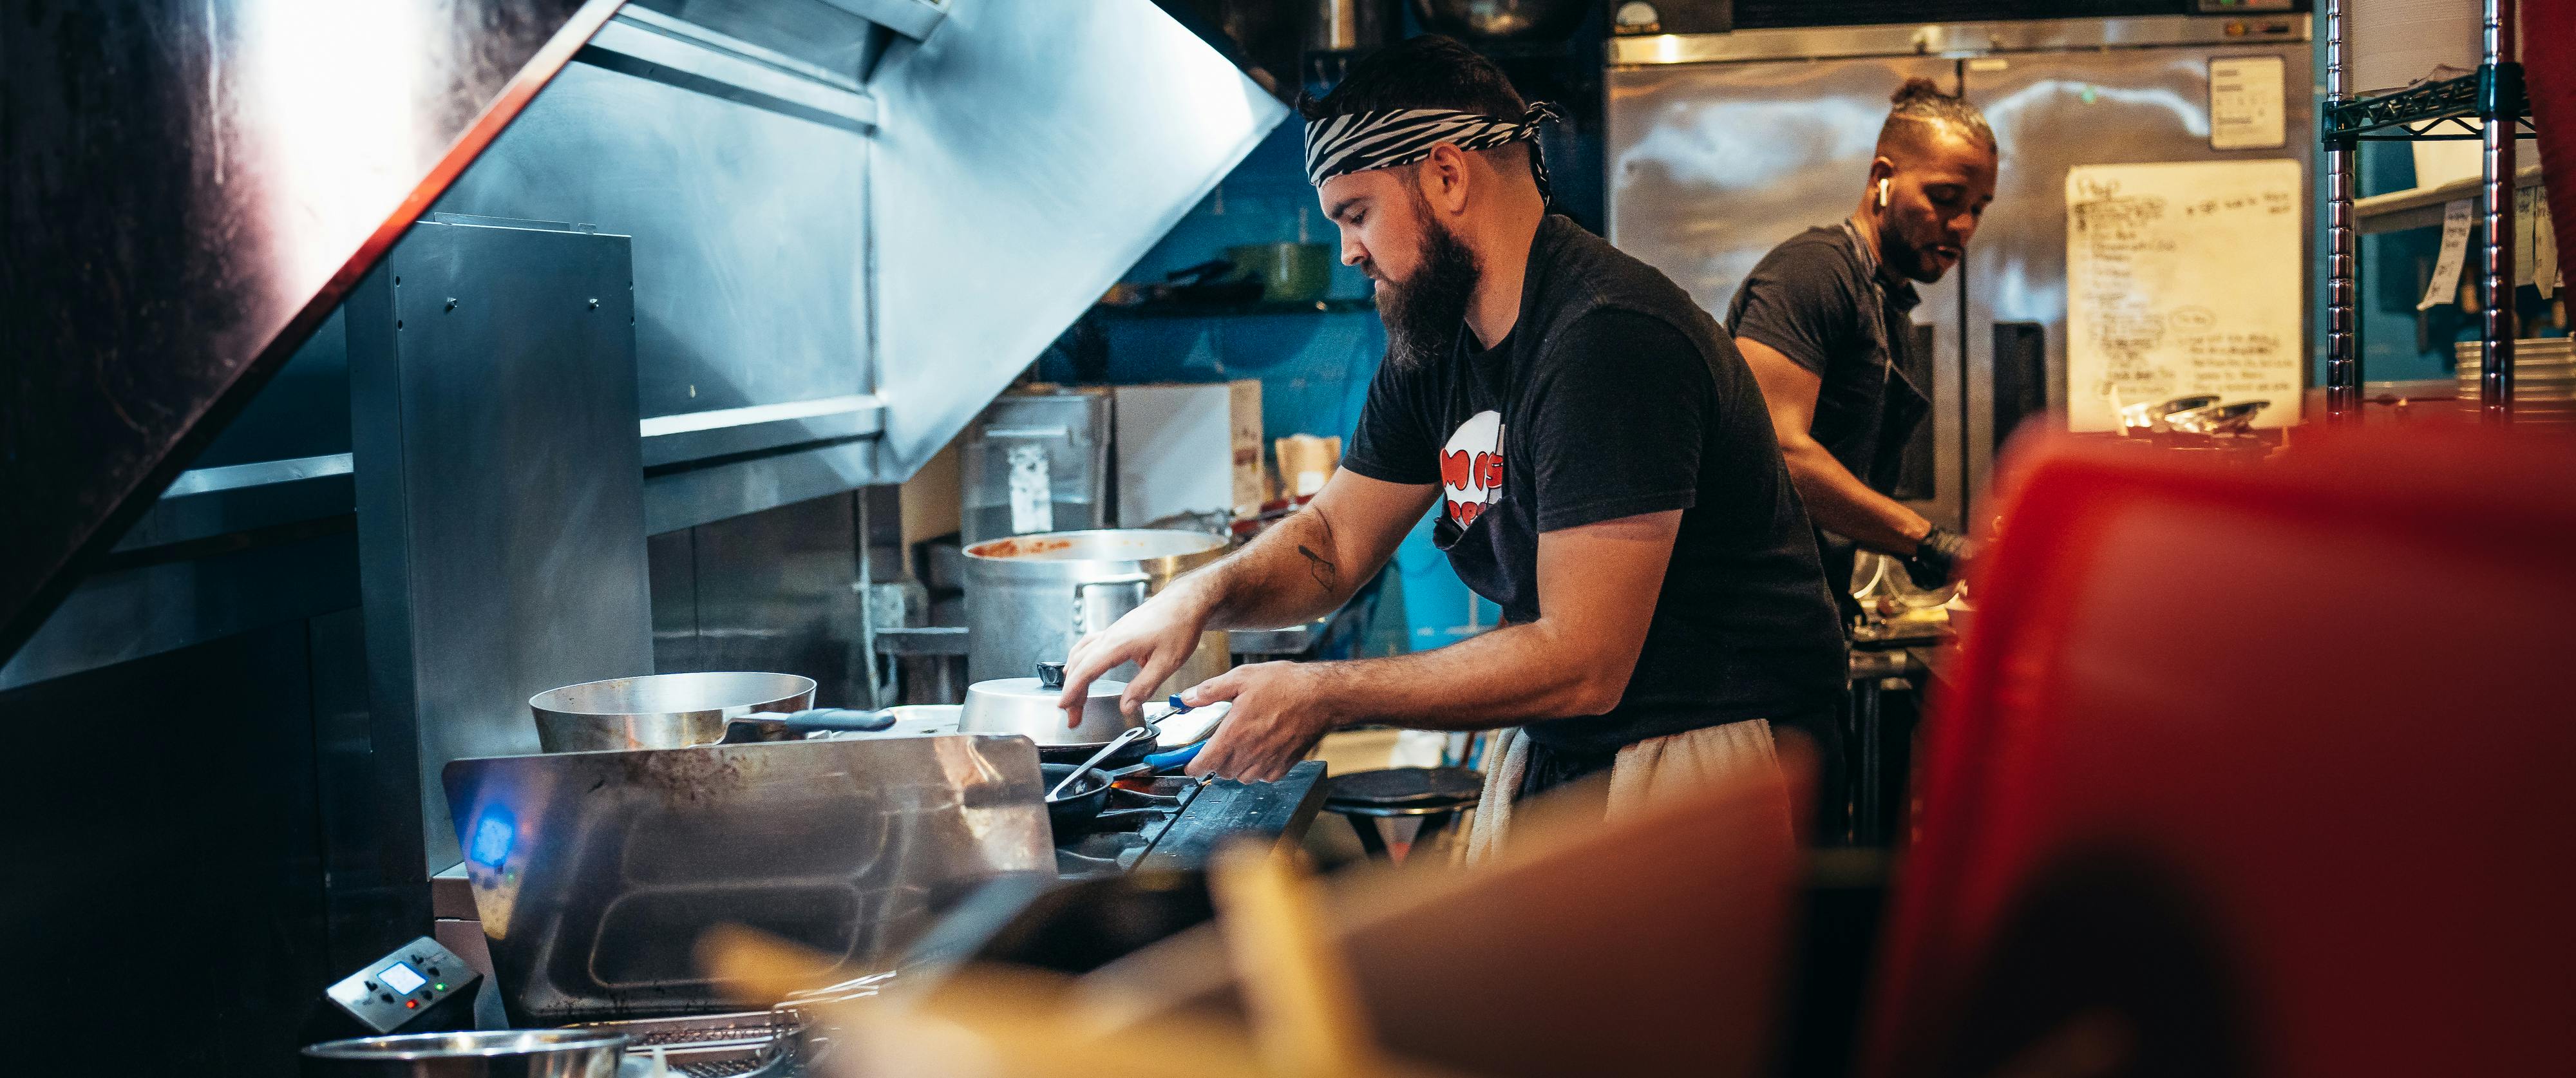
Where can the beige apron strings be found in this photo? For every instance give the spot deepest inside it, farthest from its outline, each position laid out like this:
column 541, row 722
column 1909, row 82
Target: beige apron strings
column 1506, row 761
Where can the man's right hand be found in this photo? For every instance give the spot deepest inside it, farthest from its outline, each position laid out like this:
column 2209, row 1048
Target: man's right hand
column 1157, row 636
column 1940, row 557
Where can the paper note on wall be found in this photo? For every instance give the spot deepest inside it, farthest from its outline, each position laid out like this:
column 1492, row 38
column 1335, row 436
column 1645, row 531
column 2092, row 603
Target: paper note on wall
column 2245, row 103
column 2183, row 278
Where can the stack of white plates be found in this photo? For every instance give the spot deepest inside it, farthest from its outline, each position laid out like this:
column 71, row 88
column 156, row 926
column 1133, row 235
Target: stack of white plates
column 2544, row 378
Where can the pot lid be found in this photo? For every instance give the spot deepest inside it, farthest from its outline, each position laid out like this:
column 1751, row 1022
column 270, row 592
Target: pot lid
column 1047, row 685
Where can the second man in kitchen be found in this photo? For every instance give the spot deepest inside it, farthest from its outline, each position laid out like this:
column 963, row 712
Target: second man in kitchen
column 1825, row 322
column 1598, row 456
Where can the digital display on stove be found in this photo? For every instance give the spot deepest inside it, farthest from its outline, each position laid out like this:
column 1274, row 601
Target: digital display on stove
column 402, row 978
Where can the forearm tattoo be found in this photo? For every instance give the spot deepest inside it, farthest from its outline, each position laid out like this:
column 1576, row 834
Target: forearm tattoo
column 1326, row 575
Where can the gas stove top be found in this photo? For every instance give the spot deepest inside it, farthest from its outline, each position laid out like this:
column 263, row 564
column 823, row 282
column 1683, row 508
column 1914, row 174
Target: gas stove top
column 1128, row 827
column 1166, row 821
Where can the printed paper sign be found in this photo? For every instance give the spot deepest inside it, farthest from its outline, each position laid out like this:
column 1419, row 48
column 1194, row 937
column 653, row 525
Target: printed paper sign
column 2245, row 103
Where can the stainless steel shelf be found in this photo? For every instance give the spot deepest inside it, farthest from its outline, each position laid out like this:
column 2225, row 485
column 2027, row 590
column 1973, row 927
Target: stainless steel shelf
column 2496, row 99
column 2437, row 110
column 2422, row 206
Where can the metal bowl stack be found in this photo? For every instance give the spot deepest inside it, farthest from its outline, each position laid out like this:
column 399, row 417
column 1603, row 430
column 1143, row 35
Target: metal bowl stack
column 2544, row 378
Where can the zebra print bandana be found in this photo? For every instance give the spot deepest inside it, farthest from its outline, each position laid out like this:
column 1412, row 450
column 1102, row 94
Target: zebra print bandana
column 1357, row 142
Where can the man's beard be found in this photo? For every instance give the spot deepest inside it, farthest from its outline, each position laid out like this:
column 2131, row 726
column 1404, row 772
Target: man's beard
column 1425, row 314
column 1910, row 260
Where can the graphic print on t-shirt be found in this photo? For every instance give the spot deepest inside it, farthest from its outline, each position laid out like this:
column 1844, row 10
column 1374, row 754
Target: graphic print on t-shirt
column 1471, row 468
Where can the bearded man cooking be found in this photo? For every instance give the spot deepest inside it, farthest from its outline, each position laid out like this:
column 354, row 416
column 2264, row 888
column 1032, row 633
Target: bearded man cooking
column 1599, row 456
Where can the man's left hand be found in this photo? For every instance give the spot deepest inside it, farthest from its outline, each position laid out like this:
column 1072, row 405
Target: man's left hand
column 1280, row 711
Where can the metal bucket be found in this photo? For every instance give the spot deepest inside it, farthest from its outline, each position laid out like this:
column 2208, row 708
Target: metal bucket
column 1029, row 597
column 659, row 711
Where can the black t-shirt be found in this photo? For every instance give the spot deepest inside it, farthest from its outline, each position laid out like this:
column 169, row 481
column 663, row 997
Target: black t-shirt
column 1615, row 395
column 1821, row 299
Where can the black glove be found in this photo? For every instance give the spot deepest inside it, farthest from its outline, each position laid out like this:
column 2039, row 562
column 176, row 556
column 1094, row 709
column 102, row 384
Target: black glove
column 1937, row 557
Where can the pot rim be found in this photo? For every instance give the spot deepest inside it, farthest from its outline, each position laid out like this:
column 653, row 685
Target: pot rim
column 800, row 686
column 518, row 1042
column 1038, row 566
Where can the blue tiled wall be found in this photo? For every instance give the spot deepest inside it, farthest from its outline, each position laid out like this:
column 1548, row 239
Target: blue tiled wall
column 1314, row 369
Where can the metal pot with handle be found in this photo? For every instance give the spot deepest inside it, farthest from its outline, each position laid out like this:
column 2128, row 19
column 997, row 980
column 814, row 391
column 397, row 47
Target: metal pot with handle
column 672, row 711
column 1029, row 597
column 1026, row 706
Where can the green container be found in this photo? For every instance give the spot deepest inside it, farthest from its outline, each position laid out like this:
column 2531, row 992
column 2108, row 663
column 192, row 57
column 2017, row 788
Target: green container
column 1293, row 272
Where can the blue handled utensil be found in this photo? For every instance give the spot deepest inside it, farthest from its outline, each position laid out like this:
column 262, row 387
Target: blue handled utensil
column 1181, row 757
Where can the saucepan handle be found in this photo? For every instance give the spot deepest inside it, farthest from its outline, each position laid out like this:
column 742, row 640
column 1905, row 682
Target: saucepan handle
column 799, row 724
column 1087, row 612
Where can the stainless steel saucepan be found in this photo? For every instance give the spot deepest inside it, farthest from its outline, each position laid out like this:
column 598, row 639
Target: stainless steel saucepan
column 1027, row 706
column 672, row 711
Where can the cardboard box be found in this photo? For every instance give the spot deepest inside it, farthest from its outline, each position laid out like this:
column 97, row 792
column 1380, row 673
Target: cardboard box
column 1186, row 449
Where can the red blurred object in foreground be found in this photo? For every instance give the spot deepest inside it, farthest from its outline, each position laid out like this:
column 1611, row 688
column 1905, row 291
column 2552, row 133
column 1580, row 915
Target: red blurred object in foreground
column 2254, row 771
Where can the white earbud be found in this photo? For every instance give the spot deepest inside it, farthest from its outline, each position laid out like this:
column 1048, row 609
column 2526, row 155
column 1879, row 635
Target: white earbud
column 1882, row 192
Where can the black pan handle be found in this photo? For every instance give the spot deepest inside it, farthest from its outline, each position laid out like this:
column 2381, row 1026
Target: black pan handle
column 837, row 719
column 766, row 725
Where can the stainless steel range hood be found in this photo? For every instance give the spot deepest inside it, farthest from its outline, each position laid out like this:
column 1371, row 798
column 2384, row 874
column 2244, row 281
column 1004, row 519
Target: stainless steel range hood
column 854, row 221
column 1031, row 152
column 194, row 187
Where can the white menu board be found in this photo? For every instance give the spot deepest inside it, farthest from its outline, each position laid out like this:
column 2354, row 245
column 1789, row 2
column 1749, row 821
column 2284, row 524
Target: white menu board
column 2183, row 278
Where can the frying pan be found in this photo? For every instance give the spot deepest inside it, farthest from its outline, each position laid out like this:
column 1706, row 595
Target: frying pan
column 1085, row 800
column 1088, row 798
column 671, row 711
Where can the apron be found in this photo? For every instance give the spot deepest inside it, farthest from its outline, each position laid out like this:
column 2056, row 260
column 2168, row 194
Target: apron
column 1645, row 774
column 1874, row 451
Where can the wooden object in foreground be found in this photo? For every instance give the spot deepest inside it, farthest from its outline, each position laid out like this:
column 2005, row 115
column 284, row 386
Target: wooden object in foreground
column 993, row 1021
column 1651, row 945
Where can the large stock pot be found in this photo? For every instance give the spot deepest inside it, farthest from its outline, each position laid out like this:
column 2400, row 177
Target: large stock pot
column 1029, row 597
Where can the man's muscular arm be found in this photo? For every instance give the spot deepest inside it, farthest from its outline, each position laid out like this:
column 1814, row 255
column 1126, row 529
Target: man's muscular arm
column 1303, row 567
column 1598, row 585
column 1837, row 499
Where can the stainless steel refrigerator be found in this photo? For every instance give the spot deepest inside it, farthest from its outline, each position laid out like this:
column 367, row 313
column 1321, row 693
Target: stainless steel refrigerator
column 1722, row 145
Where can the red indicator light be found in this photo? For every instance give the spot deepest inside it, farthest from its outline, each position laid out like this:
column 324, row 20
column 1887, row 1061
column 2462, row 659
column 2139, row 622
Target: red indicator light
column 411, row 1004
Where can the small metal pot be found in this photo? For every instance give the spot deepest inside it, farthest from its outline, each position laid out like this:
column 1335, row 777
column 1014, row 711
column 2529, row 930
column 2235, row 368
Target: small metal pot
column 660, row 711
column 499, row 1053
column 1027, row 706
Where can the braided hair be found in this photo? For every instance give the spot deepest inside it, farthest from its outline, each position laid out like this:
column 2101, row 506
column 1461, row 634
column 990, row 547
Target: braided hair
column 1920, row 102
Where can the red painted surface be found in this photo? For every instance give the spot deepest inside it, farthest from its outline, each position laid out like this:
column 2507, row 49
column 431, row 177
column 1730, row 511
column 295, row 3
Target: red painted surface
column 2319, row 697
